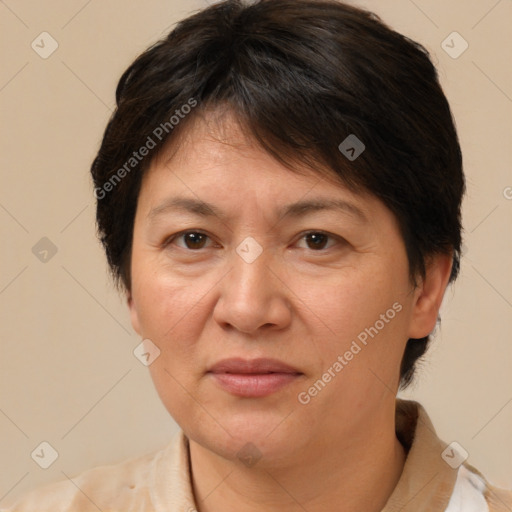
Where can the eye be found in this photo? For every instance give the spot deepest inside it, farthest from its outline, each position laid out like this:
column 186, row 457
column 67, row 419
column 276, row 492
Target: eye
column 317, row 240
column 196, row 240
column 192, row 240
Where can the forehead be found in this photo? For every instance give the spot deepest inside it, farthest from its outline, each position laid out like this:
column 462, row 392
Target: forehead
column 214, row 167
column 217, row 174
column 217, row 142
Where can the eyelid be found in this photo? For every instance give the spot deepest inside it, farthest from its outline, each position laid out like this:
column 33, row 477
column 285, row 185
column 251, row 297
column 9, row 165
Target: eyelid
column 301, row 236
column 167, row 241
column 337, row 238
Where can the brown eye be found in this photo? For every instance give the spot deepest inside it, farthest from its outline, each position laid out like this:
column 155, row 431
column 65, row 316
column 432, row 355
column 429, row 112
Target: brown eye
column 192, row 240
column 316, row 241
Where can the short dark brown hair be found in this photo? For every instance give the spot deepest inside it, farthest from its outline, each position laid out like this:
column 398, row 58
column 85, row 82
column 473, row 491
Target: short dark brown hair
column 301, row 76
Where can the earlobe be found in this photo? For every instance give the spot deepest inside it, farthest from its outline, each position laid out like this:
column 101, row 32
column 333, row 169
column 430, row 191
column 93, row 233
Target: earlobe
column 134, row 315
column 429, row 296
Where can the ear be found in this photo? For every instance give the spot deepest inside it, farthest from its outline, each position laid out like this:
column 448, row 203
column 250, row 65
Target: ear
column 134, row 314
column 429, row 294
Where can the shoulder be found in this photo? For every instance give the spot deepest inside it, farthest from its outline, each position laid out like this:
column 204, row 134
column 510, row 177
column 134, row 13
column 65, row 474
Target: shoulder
column 452, row 485
column 499, row 500
column 473, row 493
column 125, row 486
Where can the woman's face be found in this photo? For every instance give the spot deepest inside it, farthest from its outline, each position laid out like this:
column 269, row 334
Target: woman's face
column 282, row 316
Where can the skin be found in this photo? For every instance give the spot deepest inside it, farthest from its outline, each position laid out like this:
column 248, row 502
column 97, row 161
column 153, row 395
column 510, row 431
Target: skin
column 201, row 302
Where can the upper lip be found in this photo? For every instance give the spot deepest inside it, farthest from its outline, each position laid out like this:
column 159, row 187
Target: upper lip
column 252, row 366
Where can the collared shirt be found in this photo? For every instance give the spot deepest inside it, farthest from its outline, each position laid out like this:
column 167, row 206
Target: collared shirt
column 434, row 479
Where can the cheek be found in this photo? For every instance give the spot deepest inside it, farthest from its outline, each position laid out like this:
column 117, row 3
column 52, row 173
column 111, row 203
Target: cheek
column 361, row 315
column 169, row 311
column 348, row 301
column 166, row 304
column 172, row 314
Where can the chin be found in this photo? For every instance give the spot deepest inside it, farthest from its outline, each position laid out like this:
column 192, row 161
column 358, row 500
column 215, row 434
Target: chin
column 245, row 436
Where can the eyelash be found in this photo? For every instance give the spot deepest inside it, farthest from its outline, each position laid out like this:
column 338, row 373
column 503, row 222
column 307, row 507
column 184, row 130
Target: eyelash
column 181, row 234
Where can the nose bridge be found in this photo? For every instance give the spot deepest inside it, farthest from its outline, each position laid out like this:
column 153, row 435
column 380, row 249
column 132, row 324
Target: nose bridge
column 250, row 280
column 252, row 296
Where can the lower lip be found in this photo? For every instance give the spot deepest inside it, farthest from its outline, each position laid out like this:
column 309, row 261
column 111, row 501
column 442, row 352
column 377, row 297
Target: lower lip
column 253, row 385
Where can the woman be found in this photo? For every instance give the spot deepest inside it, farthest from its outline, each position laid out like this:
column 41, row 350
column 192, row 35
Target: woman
column 278, row 194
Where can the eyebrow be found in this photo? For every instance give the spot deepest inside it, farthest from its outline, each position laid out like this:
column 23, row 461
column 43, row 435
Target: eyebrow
column 295, row 210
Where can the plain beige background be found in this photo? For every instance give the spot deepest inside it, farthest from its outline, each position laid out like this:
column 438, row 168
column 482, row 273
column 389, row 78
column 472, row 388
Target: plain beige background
column 67, row 372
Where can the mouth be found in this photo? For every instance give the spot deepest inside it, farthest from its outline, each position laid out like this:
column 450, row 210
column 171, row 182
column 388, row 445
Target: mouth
column 253, row 378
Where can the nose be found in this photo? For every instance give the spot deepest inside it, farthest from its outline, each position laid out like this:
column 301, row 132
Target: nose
column 253, row 297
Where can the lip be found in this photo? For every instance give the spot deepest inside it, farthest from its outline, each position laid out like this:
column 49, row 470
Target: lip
column 253, row 378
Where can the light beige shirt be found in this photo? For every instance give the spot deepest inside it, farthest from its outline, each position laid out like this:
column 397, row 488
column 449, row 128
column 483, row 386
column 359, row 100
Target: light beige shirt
column 161, row 482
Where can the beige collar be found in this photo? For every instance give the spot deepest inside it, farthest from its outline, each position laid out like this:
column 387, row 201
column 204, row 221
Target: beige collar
column 426, row 483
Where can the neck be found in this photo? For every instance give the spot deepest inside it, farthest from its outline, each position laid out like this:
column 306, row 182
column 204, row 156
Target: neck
column 356, row 473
